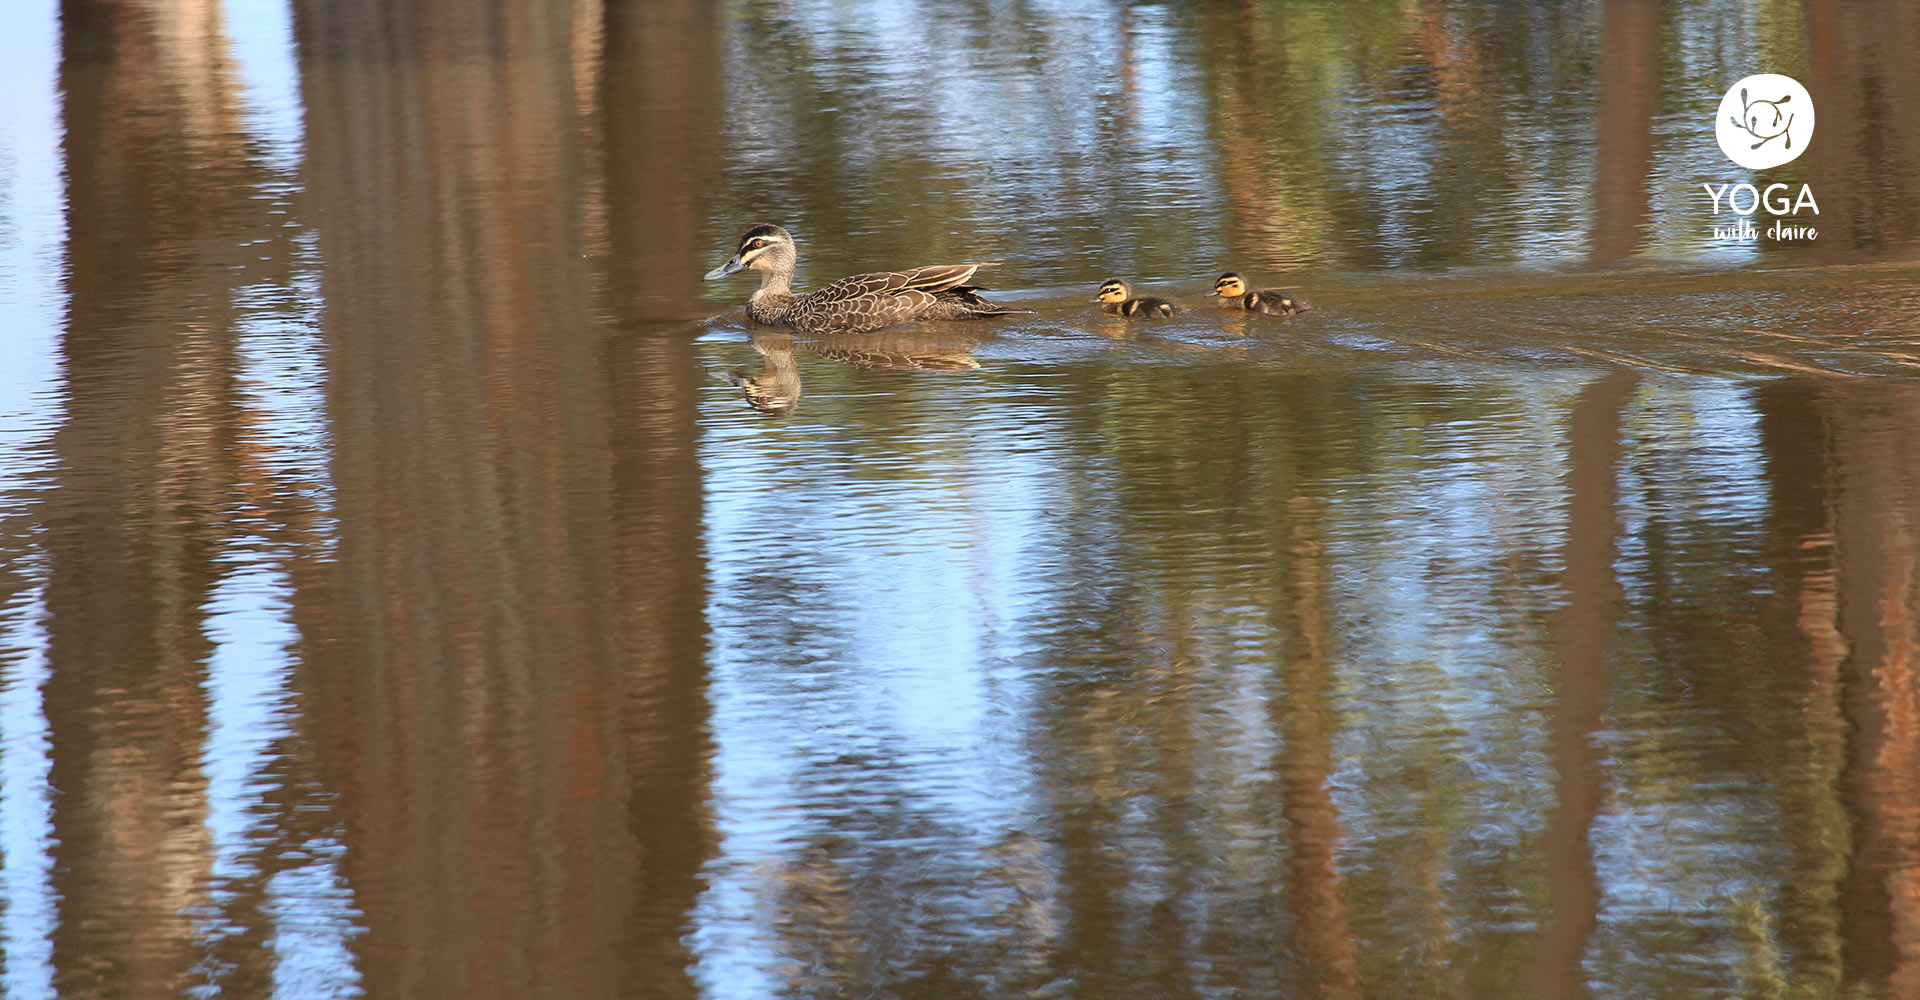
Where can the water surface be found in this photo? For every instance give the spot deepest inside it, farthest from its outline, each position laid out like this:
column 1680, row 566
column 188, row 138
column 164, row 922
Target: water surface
column 415, row 582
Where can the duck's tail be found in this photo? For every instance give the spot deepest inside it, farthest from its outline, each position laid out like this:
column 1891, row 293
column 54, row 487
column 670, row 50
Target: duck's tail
column 966, row 302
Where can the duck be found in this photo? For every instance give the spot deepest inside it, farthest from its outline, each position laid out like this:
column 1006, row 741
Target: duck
column 1233, row 293
column 853, row 304
column 1115, row 297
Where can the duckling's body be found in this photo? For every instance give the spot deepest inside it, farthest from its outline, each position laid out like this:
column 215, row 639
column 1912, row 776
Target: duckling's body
column 1116, row 298
column 1234, row 294
column 854, row 304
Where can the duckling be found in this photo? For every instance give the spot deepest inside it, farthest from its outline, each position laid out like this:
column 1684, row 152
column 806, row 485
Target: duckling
column 1233, row 293
column 1115, row 297
column 854, row 304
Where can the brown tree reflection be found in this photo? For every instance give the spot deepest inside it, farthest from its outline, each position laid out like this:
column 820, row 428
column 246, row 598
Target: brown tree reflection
column 1864, row 160
column 1584, row 635
column 1321, row 934
column 503, row 657
column 1628, row 94
column 658, row 99
column 1843, row 547
column 148, row 458
column 1876, row 527
column 1799, row 447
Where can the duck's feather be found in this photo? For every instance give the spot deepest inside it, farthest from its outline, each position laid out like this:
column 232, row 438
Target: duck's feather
column 1272, row 301
column 1144, row 305
column 870, row 301
column 926, row 280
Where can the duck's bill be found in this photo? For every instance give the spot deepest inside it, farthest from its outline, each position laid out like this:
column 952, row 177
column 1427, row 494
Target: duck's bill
column 732, row 266
column 1213, row 293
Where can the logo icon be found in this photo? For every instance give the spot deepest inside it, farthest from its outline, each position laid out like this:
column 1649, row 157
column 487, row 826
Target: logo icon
column 1765, row 120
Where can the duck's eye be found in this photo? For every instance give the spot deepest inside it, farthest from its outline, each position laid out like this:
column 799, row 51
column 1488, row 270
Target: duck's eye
column 756, row 244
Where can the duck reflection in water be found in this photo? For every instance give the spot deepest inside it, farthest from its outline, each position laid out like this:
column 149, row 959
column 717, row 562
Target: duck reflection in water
column 924, row 352
column 775, row 389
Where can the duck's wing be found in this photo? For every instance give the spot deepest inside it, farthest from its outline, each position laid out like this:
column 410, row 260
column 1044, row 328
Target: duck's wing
column 937, row 278
column 870, row 301
column 1277, row 300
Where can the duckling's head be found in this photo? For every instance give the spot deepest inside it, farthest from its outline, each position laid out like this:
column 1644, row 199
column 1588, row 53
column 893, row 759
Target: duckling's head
column 767, row 249
column 1114, row 290
column 1229, row 285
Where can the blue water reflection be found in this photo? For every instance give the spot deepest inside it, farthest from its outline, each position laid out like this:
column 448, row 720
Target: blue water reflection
column 25, row 829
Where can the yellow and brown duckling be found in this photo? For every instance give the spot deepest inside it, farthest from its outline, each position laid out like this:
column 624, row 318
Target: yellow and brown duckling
column 854, row 304
column 1115, row 297
column 1234, row 294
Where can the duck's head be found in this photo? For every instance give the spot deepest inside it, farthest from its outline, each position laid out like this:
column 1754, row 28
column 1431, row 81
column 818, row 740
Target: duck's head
column 1229, row 285
column 763, row 248
column 1113, row 290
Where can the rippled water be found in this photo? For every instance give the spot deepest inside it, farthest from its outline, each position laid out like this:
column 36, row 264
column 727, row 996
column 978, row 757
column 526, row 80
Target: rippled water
column 414, row 581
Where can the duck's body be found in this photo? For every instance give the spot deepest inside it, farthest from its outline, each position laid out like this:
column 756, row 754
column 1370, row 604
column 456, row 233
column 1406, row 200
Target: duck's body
column 853, row 304
column 1234, row 294
column 1116, row 298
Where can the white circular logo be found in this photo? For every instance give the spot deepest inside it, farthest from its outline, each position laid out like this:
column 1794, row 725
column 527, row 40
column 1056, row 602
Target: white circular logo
column 1765, row 120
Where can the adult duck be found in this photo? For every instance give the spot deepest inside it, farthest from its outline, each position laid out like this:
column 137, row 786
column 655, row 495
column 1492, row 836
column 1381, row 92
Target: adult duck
column 854, row 304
